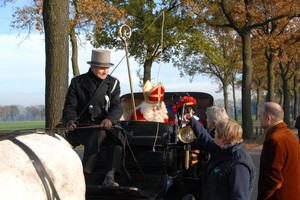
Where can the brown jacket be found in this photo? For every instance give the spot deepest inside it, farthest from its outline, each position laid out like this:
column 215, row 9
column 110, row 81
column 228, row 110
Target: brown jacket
column 279, row 176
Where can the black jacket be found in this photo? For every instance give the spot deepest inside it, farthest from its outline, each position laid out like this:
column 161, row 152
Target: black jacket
column 297, row 124
column 106, row 104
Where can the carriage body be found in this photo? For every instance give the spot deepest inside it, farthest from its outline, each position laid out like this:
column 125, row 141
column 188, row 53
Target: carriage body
column 154, row 157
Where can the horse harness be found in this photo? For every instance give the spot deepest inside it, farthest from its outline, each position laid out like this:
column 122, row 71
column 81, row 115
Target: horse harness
column 38, row 165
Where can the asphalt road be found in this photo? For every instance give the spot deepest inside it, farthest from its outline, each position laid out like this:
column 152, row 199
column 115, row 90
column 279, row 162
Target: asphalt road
column 255, row 155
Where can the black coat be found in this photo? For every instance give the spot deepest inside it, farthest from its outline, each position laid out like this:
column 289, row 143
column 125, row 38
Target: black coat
column 80, row 92
column 79, row 108
column 297, row 124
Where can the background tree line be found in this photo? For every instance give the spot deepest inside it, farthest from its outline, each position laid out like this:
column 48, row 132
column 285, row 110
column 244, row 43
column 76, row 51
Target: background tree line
column 251, row 44
column 21, row 113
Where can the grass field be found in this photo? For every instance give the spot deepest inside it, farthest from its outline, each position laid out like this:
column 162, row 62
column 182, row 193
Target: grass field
column 17, row 125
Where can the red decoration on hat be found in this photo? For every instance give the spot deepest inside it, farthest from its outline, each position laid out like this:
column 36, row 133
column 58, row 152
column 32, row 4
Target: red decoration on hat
column 188, row 101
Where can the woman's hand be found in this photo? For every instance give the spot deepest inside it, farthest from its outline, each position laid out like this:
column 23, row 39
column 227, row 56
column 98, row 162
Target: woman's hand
column 188, row 116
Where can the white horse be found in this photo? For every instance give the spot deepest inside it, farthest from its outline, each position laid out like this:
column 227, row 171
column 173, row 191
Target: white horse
column 22, row 176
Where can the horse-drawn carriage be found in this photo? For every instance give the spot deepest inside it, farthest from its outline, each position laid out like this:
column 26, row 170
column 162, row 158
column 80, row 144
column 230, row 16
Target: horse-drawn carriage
column 155, row 161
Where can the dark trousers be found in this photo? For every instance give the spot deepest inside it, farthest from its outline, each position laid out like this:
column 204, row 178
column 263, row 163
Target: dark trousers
column 93, row 141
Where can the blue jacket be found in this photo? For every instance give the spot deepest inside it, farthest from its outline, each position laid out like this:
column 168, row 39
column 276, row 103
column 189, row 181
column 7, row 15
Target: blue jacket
column 229, row 174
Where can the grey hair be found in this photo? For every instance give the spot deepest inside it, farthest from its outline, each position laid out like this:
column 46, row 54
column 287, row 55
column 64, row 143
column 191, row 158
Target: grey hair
column 215, row 114
column 274, row 110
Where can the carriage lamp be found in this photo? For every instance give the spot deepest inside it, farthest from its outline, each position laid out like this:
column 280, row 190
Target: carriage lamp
column 187, row 136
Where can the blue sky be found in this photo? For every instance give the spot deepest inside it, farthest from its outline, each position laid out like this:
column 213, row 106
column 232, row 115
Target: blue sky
column 22, row 69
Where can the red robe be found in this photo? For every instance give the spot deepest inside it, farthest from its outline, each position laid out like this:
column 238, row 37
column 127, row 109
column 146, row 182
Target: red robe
column 140, row 117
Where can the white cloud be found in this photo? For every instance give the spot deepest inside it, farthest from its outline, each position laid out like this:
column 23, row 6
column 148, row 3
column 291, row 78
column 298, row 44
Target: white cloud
column 22, row 77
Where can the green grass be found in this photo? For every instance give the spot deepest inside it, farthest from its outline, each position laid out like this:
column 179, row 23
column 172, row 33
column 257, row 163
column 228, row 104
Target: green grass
column 239, row 120
column 17, row 125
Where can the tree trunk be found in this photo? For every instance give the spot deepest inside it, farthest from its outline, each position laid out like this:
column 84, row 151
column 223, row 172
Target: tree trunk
column 74, row 57
column 296, row 97
column 147, row 70
column 246, row 85
column 234, row 101
column 56, row 25
column 271, row 79
column 286, row 101
column 280, row 94
column 73, row 40
column 225, row 95
column 257, row 101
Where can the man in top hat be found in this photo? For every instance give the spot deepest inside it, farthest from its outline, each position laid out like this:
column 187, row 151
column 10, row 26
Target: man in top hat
column 93, row 98
column 153, row 107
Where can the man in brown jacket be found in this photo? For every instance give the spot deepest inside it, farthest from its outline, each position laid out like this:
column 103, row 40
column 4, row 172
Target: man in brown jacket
column 279, row 175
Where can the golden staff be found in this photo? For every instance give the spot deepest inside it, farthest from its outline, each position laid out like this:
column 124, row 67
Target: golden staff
column 125, row 34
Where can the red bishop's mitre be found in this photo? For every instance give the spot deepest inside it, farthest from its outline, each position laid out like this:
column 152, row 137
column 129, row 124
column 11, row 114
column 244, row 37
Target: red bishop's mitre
column 153, row 94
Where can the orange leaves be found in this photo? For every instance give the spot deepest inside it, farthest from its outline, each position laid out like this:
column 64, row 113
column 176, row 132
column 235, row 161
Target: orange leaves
column 28, row 17
column 93, row 13
column 84, row 15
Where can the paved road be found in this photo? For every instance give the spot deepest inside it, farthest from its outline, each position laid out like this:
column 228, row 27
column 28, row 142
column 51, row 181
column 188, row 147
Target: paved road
column 255, row 155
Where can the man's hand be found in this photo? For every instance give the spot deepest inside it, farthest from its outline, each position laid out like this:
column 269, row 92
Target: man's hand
column 71, row 125
column 106, row 123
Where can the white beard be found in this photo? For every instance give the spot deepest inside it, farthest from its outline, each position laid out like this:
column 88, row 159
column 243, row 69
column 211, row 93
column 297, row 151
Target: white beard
column 150, row 115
